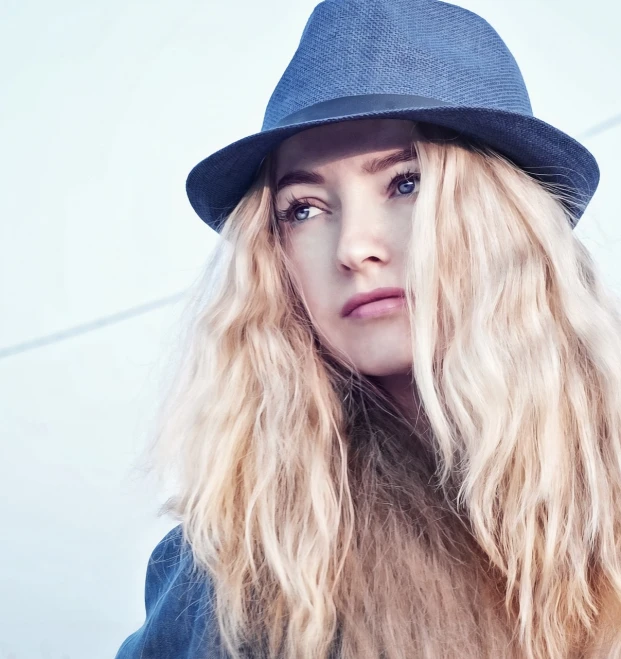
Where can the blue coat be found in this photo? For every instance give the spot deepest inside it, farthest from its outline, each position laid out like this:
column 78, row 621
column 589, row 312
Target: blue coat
column 180, row 622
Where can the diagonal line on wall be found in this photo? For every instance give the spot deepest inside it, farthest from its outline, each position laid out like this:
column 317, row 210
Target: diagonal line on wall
column 94, row 325
column 602, row 127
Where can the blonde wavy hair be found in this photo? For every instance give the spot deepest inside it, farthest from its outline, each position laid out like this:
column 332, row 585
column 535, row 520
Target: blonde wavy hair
column 328, row 525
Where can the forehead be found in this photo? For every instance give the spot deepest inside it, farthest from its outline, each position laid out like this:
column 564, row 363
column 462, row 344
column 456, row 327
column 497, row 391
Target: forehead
column 324, row 144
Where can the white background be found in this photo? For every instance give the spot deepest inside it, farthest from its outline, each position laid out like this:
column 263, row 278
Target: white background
column 105, row 107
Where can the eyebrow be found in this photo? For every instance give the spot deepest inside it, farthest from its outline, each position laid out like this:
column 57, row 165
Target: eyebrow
column 372, row 166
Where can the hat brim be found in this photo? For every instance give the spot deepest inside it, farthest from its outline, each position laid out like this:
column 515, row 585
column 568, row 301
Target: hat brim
column 217, row 183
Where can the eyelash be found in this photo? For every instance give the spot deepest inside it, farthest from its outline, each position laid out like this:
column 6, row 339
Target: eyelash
column 294, row 203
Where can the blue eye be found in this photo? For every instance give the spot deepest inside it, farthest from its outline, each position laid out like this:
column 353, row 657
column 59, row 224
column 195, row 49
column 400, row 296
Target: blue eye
column 293, row 207
column 406, row 183
column 305, row 209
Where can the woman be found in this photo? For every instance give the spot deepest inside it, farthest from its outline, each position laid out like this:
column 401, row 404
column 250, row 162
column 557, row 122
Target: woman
column 436, row 473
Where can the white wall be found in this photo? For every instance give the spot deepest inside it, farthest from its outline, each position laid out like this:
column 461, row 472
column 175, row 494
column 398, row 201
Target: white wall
column 105, row 107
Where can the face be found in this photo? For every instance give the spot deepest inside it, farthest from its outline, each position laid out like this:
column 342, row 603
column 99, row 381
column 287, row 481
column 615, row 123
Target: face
column 345, row 219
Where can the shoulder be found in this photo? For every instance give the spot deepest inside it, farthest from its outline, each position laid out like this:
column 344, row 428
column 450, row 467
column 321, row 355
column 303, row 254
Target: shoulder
column 169, row 566
column 180, row 621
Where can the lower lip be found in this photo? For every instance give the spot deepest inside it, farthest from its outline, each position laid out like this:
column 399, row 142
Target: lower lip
column 378, row 308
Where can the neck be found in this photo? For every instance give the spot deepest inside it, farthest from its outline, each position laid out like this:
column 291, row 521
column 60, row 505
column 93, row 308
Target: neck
column 405, row 395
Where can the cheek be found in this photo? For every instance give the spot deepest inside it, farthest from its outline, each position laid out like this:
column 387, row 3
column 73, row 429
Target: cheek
column 310, row 271
column 320, row 302
column 319, row 295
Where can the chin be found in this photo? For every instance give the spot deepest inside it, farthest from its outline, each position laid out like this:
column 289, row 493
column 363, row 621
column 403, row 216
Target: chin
column 384, row 369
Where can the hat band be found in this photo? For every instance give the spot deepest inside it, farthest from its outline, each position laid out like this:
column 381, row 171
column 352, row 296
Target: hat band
column 345, row 106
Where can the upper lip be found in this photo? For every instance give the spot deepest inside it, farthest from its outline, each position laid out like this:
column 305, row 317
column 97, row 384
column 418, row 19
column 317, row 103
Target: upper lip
column 370, row 296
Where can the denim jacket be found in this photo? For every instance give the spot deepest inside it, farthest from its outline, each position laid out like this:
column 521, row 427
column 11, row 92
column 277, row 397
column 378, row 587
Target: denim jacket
column 180, row 622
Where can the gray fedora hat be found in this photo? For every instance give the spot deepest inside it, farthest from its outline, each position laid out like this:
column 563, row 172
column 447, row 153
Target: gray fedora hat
column 423, row 60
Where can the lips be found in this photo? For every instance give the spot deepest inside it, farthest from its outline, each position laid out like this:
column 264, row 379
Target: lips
column 370, row 296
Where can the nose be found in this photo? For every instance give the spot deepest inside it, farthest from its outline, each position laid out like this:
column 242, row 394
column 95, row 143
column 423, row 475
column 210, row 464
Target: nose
column 363, row 235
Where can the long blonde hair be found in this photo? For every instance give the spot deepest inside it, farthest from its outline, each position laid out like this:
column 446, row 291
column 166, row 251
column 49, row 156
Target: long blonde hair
column 326, row 523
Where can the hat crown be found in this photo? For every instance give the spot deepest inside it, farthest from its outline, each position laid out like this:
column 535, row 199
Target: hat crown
column 424, row 48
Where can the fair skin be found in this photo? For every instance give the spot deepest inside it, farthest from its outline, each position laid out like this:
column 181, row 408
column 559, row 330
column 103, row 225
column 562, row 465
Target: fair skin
column 349, row 235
